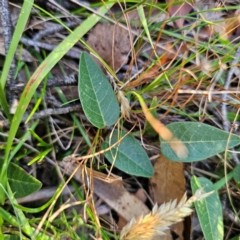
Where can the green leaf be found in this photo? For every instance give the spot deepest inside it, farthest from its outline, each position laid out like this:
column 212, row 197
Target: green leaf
column 22, row 184
column 235, row 238
column 11, row 237
column 98, row 100
column 202, row 141
column 236, row 174
column 128, row 155
column 209, row 210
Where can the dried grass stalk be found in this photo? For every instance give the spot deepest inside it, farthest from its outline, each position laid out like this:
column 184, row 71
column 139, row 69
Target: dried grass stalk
column 160, row 219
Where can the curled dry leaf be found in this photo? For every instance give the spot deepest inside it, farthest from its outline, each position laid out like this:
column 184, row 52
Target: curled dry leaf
column 125, row 107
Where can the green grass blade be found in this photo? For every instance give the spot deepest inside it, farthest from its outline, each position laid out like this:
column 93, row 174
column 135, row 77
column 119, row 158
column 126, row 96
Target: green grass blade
column 23, row 140
column 145, row 26
column 22, row 221
column 40, row 156
column 38, row 102
column 223, row 181
column 44, row 206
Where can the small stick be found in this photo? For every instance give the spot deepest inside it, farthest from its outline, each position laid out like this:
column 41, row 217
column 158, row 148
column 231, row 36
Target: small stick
column 52, row 82
column 206, row 92
column 73, row 53
column 46, row 113
column 52, row 30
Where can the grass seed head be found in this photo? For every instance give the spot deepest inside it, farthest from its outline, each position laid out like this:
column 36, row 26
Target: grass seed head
column 160, row 219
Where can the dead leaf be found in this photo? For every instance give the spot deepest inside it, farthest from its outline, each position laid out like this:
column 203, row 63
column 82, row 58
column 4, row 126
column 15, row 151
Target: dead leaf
column 168, row 183
column 119, row 199
column 141, row 195
column 112, row 43
column 181, row 9
column 112, row 193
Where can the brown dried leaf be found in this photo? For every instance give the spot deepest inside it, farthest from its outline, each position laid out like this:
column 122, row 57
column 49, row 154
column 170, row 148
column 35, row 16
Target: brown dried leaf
column 178, row 10
column 112, row 192
column 112, row 43
column 119, row 199
column 141, row 195
column 168, row 183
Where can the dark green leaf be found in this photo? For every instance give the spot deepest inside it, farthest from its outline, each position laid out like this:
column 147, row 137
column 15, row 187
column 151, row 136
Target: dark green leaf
column 209, row 209
column 21, row 183
column 11, row 237
column 128, row 155
column 235, row 238
column 202, row 141
column 98, row 100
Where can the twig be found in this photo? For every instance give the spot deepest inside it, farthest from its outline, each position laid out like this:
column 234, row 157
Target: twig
column 67, row 80
column 73, row 53
column 52, row 30
column 52, row 82
column 206, row 92
column 43, row 194
column 60, row 143
column 7, row 35
column 46, row 113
